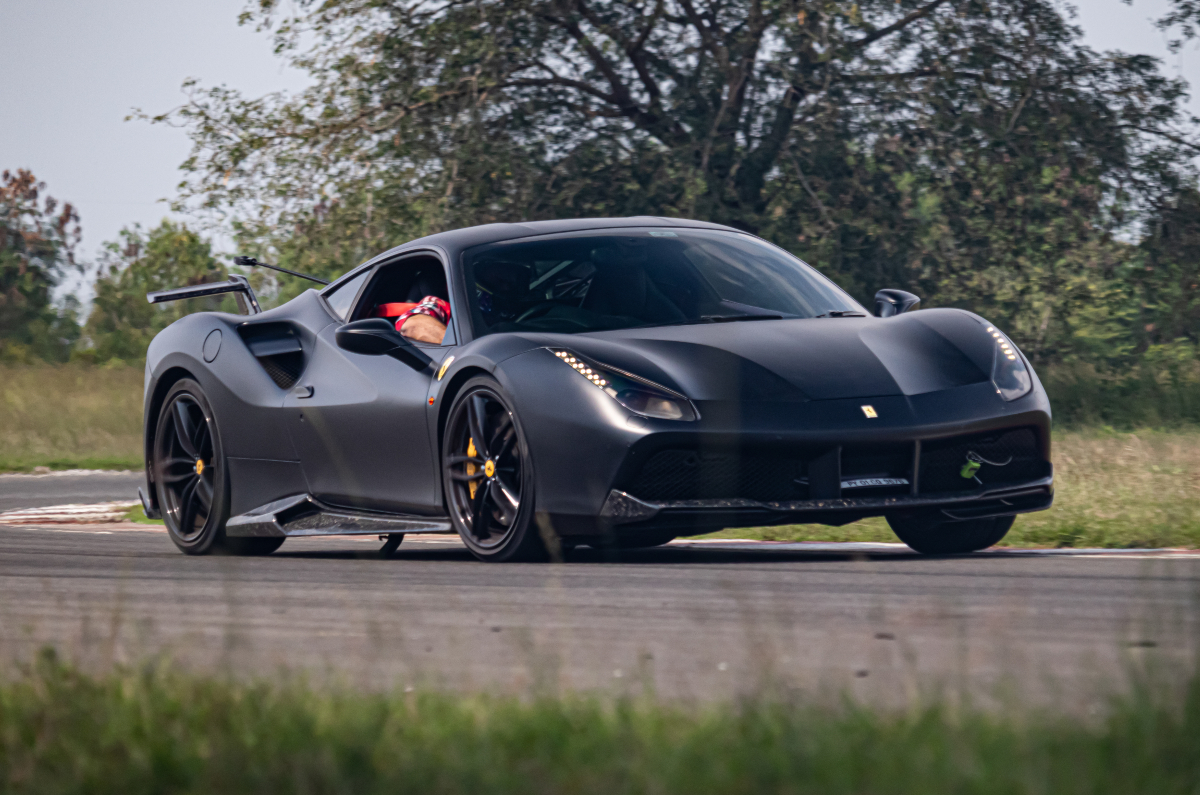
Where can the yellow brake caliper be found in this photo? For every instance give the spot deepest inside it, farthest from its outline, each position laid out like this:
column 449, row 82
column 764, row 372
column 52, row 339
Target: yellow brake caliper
column 471, row 467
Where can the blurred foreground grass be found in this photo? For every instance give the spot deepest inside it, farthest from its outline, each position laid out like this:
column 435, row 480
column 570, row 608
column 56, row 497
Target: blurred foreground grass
column 1114, row 489
column 155, row 730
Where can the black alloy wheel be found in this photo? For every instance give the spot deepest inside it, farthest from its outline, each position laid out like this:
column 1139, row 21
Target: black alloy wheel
column 191, row 479
column 934, row 537
column 487, row 476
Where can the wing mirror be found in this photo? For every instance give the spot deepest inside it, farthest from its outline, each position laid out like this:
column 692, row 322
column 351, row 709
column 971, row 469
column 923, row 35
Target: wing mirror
column 377, row 337
column 894, row 302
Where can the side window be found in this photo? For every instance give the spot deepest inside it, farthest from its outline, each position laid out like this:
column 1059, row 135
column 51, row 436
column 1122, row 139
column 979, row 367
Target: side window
column 398, row 286
column 341, row 299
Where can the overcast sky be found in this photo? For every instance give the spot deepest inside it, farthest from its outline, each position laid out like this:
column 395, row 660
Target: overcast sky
column 73, row 70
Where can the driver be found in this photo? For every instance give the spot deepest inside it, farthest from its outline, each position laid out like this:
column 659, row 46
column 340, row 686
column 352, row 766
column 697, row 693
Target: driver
column 502, row 289
column 426, row 321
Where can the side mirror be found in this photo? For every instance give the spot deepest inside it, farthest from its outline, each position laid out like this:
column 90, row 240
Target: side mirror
column 894, row 302
column 377, row 337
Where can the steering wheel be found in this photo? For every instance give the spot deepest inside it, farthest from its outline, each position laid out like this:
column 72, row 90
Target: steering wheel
column 537, row 310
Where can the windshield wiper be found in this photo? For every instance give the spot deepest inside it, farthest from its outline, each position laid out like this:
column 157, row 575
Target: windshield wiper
column 712, row 319
column 841, row 313
column 733, row 318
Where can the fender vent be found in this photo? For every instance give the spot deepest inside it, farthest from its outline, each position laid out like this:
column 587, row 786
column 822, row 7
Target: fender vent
column 276, row 349
column 284, row 369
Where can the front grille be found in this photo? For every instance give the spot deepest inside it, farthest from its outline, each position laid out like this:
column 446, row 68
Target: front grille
column 718, row 475
column 777, row 476
column 942, row 461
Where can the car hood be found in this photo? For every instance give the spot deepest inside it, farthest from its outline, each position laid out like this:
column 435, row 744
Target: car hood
column 801, row 359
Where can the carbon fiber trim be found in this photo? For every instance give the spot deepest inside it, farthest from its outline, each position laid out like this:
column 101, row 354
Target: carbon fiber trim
column 622, row 508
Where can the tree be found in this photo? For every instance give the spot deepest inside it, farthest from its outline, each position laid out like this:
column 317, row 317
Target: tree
column 37, row 247
column 122, row 323
column 974, row 150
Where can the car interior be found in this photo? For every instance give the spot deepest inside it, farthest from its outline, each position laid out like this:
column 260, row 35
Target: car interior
column 397, row 287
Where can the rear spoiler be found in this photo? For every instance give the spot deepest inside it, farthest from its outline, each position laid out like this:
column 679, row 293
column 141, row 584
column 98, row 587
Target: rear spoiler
column 236, row 284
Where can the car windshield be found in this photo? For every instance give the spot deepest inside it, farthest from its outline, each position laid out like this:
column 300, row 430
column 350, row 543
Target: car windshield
column 627, row 278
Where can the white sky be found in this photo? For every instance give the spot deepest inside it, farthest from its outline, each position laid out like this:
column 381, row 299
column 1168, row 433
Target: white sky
column 72, row 70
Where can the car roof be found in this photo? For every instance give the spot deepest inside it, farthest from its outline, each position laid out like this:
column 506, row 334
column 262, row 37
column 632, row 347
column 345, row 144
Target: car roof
column 454, row 241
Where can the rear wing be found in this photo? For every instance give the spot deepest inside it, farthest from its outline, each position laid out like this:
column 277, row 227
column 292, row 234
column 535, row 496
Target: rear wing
column 236, row 284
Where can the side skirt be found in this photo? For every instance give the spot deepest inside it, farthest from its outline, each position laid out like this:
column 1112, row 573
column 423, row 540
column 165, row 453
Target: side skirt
column 304, row 515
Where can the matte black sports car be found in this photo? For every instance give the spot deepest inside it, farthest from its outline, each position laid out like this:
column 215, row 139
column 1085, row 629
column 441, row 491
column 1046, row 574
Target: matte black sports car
column 605, row 381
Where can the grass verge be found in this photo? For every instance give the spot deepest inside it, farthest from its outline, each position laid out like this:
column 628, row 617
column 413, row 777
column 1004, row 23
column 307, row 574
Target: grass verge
column 138, row 515
column 152, row 730
column 70, row 417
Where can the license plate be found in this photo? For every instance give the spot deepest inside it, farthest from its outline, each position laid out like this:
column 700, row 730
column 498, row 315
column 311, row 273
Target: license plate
column 859, row 483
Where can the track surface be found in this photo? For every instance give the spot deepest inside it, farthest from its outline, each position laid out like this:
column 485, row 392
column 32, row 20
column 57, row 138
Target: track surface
column 37, row 491
column 885, row 625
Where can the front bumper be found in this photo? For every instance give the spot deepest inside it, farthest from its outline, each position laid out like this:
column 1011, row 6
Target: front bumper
column 623, row 509
column 592, row 457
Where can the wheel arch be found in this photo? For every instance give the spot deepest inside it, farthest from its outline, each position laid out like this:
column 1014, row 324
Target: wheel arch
column 445, row 401
column 168, row 379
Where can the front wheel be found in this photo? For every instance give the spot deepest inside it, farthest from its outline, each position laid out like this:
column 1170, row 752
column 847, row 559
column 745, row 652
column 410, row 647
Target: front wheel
column 487, row 476
column 932, row 537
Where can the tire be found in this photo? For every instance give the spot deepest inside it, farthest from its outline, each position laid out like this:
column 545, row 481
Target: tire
column 192, row 479
column 487, row 476
column 932, row 537
column 193, row 493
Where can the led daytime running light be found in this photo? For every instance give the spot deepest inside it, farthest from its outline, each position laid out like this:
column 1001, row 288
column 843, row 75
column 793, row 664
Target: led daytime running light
column 582, row 369
column 631, row 391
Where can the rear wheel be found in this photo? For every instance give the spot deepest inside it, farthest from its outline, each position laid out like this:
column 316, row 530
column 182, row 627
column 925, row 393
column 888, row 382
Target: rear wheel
column 189, row 470
column 932, row 537
column 487, row 475
column 191, row 477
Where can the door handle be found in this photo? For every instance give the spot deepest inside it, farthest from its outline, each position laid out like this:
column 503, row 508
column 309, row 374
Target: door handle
column 303, row 392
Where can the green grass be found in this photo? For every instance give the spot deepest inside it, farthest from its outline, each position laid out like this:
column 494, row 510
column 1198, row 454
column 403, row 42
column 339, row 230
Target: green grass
column 152, row 730
column 138, row 515
column 70, row 417
column 1112, row 489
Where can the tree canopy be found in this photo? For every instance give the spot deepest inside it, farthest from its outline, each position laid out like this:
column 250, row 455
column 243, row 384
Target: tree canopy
column 122, row 322
column 976, row 152
column 38, row 236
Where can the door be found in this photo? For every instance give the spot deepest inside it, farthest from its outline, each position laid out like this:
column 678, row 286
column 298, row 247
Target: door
column 361, row 434
column 358, row 422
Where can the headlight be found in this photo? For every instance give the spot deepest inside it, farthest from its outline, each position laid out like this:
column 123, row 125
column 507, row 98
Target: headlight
column 1009, row 373
column 634, row 393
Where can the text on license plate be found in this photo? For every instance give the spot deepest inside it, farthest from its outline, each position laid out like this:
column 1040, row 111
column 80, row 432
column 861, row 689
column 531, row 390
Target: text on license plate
column 859, row 483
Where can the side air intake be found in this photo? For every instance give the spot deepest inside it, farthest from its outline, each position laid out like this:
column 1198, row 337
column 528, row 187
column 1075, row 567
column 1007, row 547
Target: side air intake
column 277, row 350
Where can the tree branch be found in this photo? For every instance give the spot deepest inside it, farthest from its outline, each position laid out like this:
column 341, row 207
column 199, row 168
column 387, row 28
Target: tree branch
column 1164, row 134
column 900, row 24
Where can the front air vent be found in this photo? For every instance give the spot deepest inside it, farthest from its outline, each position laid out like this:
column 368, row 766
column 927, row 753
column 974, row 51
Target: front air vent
column 277, row 349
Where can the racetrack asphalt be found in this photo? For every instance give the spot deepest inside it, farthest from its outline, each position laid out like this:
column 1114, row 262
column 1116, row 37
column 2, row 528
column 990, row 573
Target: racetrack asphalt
column 60, row 488
column 689, row 621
